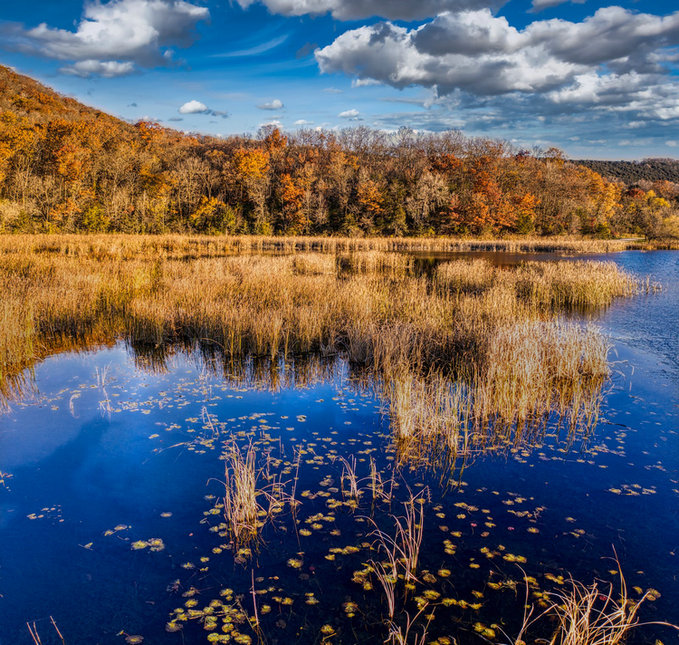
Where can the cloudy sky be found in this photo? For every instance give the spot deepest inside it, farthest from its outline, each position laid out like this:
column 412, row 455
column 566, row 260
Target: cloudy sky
column 597, row 79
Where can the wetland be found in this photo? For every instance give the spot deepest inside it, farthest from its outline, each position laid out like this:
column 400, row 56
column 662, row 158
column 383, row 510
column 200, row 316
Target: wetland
column 201, row 442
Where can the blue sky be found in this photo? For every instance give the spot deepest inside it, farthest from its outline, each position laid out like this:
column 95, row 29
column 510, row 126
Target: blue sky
column 598, row 79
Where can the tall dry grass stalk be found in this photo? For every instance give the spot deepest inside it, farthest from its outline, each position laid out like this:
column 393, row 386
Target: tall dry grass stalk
column 403, row 548
column 410, row 633
column 401, row 552
column 350, row 483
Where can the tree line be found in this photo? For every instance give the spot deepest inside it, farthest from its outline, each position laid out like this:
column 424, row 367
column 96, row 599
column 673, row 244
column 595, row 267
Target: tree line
column 65, row 167
column 643, row 172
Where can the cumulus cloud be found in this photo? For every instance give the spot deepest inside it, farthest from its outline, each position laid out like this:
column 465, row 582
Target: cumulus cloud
column 355, row 9
column 349, row 114
column 610, row 70
column 197, row 107
column 112, row 38
column 276, row 104
column 193, row 107
column 483, row 54
column 303, row 122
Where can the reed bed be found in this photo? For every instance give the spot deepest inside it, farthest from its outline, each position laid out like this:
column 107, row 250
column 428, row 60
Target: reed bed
column 560, row 286
column 470, row 346
column 126, row 247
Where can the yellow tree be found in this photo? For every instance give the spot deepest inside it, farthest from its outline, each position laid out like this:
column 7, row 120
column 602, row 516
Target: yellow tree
column 252, row 170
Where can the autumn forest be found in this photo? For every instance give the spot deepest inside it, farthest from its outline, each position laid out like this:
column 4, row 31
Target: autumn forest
column 65, row 167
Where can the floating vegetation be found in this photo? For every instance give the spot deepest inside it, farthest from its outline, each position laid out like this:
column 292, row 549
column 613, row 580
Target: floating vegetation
column 152, row 544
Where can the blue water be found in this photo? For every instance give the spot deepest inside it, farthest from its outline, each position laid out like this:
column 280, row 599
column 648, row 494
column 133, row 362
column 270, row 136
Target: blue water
column 99, row 463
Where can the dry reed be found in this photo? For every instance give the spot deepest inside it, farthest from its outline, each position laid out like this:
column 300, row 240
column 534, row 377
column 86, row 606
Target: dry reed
column 456, row 350
column 591, row 615
column 241, row 494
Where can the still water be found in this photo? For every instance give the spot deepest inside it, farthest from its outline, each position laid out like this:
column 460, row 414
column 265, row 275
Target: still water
column 112, row 485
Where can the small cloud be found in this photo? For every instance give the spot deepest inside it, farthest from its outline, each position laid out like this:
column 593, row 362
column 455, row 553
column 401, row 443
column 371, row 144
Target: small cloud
column 272, row 124
column 106, row 69
column 306, row 50
column 332, row 90
column 539, row 5
column 194, row 107
column 672, row 144
column 349, row 114
column 175, row 119
column 301, row 122
column 132, row 105
column 276, row 104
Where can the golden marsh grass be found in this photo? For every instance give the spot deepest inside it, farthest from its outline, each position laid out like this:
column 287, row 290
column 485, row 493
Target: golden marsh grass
column 466, row 348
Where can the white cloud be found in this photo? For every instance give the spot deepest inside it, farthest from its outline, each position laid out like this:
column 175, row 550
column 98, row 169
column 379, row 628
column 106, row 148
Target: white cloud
column 193, row 107
column 349, row 114
column 112, row 37
column 354, row 9
column 482, row 54
column 275, row 123
column 107, row 69
column 557, row 77
column 303, row 122
column 276, row 104
column 197, row 107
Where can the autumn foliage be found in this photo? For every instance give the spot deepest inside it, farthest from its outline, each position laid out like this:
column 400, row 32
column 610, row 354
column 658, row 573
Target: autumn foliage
column 69, row 168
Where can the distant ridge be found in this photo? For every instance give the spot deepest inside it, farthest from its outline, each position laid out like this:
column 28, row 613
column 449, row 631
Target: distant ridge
column 633, row 172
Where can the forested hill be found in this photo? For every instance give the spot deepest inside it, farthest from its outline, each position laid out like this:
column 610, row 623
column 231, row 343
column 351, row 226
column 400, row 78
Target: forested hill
column 633, row 172
column 67, row 167
column 22, row 96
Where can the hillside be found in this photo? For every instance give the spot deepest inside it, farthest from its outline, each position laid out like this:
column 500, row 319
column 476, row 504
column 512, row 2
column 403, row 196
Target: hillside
column 70, row 168
column 633, row 172
column 28, row 99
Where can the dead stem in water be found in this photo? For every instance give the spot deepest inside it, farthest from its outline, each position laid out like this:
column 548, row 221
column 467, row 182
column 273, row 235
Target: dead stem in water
column 595, row 614
column 244, row 513
column 592, row 615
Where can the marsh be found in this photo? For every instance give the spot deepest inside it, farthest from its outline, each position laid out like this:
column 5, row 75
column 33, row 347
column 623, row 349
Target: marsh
column 506, row 427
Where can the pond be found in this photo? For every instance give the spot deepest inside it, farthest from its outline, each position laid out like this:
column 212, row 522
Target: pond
column 111, row 517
